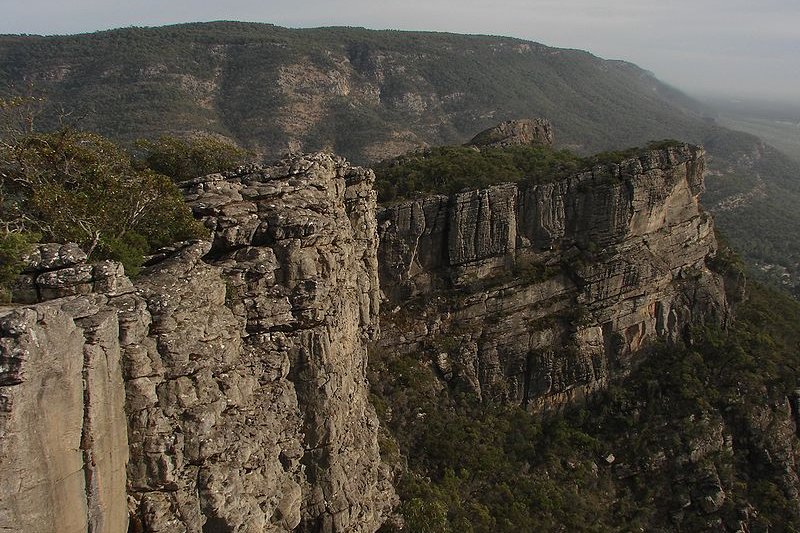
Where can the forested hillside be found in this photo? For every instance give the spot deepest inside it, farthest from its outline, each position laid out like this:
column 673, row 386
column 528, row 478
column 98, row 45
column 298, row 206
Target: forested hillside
column 369, row 95
column 697, row 438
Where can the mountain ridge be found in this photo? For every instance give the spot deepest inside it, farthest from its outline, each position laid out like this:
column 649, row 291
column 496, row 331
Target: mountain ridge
column 372, row 94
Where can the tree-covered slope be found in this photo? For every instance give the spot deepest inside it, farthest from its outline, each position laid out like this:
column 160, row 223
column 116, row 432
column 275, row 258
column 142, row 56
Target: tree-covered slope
column 364, row 93
column 696, row 438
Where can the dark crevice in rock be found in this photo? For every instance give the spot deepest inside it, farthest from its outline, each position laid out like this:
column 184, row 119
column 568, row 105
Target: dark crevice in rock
column 87, row 438
column 527, row 377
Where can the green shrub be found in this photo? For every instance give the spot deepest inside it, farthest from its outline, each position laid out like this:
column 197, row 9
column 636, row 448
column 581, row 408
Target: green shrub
column 183, row 159
column 13, row 247
column 450, row 169
column 74, row 186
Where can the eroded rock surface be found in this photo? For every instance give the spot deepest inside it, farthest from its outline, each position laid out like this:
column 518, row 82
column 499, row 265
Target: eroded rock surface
column 232, row 378
column 241, row 363
column 537, row 131
column 63, row 438
column 538, row 294
column 249, row 409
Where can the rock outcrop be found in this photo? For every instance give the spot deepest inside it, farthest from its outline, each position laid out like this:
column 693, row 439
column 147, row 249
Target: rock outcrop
column 226, row 390
column 252, row 412
column 63, row 438
column 538, row 294
column 515, row 132
column 244, row 368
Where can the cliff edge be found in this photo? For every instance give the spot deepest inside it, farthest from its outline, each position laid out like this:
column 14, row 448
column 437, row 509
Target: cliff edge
column 231, row 381
column 538, row 293
column 226, row 390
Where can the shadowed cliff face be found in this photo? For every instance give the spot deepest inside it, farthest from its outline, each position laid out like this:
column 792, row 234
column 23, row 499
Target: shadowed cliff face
column 538, row 294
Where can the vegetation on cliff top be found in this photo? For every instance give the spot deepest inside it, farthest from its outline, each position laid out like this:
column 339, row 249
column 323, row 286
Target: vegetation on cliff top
column 69, row 185
column 450, row 169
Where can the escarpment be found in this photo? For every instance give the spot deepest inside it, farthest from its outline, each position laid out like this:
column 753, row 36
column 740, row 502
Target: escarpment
column 296, row 245
column 245, row 402
column 537, row 294
column 63, row 439
column 226, row 390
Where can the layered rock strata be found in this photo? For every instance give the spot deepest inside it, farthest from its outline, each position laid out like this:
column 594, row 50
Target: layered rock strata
column 63, row 438
column 244, row 368
column 539, row 293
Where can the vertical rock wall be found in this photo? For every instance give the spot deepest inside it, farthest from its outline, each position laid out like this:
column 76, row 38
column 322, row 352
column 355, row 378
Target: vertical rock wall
column 231, row 380
column 540, row 293
column 249, row 407
column 63, row 438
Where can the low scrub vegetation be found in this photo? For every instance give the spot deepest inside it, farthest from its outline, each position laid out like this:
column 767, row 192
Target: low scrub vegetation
column 450, row 169
column 69, row 185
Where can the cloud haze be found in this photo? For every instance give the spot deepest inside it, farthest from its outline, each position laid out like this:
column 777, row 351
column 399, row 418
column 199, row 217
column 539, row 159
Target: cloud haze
column 733, row 47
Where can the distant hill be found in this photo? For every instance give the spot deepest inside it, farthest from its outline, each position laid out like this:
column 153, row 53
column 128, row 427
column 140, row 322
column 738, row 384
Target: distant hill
column 366, row 94
column 374, row 94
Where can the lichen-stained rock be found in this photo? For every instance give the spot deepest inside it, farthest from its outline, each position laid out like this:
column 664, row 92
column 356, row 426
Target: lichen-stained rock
column 482, row 226
column 59, row 270
column 198, row 453
column 234, row 372
column 298, row 245
column 248, row 402
column 413, row 237
column 557, row 285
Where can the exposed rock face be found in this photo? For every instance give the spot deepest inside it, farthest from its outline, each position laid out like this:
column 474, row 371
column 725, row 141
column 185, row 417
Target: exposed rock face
column 232, row 379
column 557, row 284
column 63, row 439
column 58, row 270
column 252, row 414
column 244, row 367
column 513, row 132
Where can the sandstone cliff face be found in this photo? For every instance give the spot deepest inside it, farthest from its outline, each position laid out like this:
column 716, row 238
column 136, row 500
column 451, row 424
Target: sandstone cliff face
column 296, row 247
column 244, row 368
column 558, row 284
column 63, row 445
column 227, row 390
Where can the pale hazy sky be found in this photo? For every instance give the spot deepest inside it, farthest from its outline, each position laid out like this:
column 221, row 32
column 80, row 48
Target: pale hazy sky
column 735, row 47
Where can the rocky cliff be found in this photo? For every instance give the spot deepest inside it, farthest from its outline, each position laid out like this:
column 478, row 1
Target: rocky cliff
column 538, row 294
column 63, row 445
column 244, row 405
column 226, row 390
